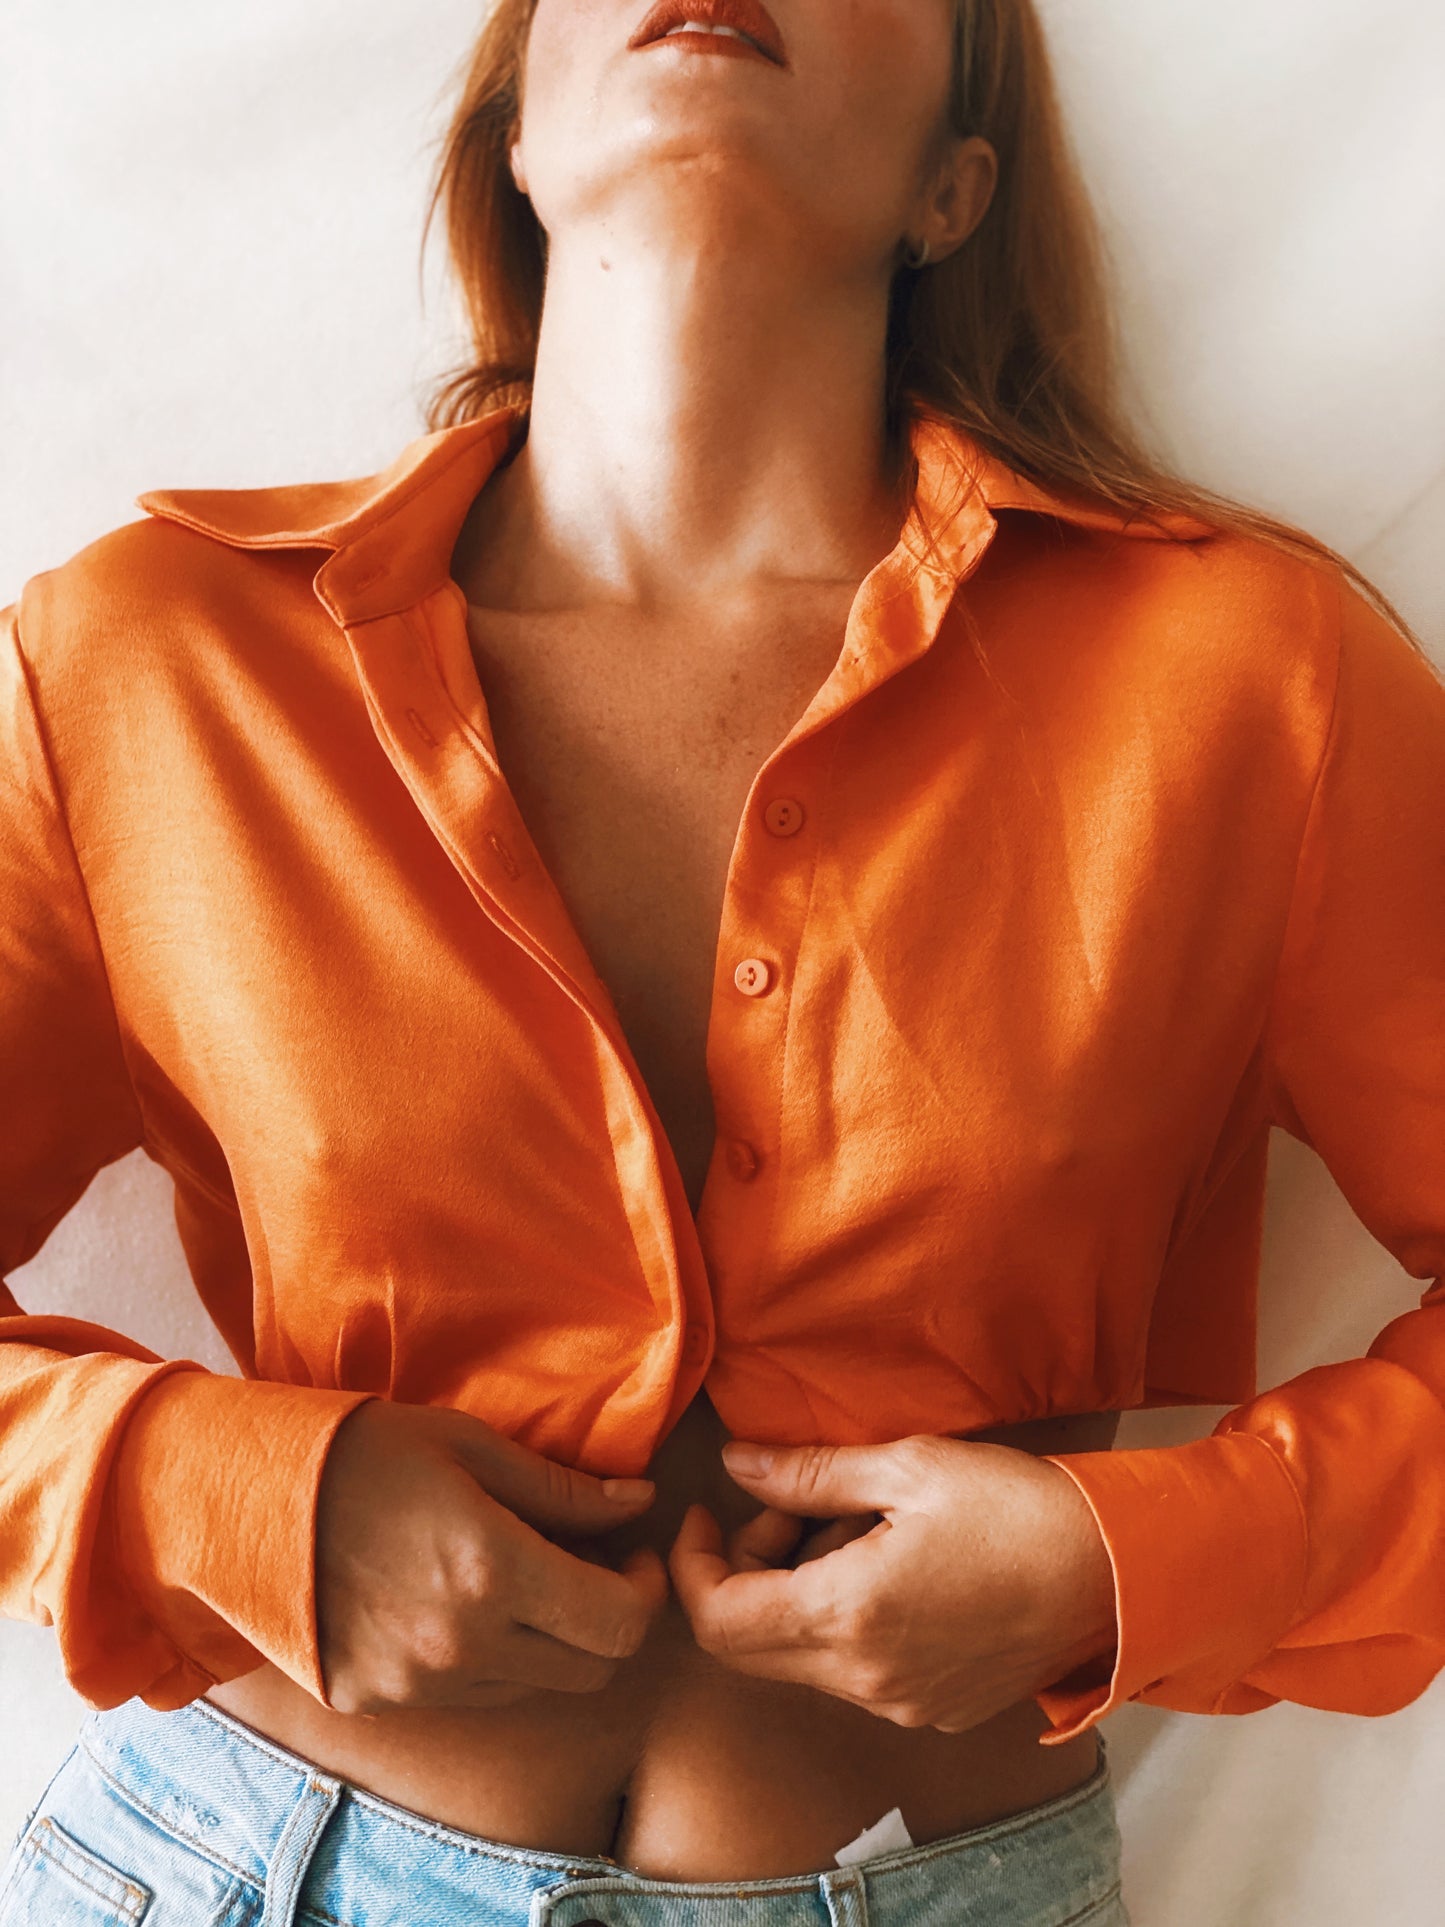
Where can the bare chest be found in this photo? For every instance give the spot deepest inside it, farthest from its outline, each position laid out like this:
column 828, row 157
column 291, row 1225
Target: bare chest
column 630, row 749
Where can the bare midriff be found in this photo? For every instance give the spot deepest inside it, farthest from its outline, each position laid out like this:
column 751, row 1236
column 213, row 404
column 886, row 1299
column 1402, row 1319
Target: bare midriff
column 681, row 1767
column 631, row 748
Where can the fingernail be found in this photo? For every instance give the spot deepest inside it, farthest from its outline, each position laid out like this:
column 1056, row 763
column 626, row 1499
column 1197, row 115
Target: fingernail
column 751, row 1460
column 627, row 1491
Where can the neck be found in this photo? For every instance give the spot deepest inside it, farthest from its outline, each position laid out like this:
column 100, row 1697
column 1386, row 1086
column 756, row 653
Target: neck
column 704, row 425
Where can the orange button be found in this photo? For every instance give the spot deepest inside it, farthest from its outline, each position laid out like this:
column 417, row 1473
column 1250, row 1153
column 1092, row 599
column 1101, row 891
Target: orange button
column 742, row 1159
column 784, row 815
column 694, row 1342
column 752, row 976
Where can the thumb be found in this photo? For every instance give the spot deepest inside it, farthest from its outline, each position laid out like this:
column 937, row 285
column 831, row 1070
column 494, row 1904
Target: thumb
column 546, row 1494
column 818, row 1481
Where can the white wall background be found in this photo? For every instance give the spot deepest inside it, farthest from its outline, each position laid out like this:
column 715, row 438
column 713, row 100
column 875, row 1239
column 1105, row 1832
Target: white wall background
column 209, row 230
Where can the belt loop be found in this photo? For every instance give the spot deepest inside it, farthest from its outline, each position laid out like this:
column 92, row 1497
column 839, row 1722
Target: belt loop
column 847, row 1898
column 299, row 1836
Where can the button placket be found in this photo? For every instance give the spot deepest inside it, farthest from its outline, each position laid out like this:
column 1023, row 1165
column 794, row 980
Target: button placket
column 765, row 908
column 460, row 791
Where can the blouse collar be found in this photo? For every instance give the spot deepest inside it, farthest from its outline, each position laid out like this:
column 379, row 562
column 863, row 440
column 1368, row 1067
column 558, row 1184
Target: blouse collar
column 391, row 534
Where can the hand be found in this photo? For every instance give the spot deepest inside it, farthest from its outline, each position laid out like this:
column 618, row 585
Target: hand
column 434, row 1589
column 984, row 1579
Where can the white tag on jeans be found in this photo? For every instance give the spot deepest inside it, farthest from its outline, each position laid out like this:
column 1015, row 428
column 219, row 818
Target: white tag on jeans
column 884, row 1836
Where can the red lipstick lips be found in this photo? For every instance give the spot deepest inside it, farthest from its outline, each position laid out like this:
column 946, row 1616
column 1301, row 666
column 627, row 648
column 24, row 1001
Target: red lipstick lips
column 747, row 17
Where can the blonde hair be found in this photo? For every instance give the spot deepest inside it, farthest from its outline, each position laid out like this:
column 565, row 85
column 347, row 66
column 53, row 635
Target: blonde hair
column 1010, row 338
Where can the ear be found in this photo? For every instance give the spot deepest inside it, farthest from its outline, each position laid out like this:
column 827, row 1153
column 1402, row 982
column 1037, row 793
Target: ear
column 514, row 157
column 962, row 191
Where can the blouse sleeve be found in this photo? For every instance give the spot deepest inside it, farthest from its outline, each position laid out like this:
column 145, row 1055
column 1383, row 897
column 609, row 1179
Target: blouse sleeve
column 1298, row 1552
column 158, row 1515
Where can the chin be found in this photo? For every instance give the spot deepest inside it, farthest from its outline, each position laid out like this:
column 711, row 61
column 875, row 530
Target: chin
column 693, row 164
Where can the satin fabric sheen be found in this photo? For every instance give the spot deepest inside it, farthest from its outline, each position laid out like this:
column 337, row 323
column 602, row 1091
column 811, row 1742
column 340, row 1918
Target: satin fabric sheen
column 1106, row 846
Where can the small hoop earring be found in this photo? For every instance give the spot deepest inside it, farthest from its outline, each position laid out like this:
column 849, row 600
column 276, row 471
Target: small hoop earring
column 912, row 260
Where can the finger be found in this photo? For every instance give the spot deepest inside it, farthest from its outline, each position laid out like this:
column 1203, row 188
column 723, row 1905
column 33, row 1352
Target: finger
column 738, row 1613
column 587, row 1606
column 815, row 1667
column 449, row 1690
column 823, row 1481
column 644, row 1569
column 545, row 1493
column 535, row 1659
column 699, row 1543
column 769, row 1539
column 837, row 1534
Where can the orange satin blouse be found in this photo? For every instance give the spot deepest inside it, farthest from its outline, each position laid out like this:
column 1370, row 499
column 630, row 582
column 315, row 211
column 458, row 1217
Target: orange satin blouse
column 1104, row 847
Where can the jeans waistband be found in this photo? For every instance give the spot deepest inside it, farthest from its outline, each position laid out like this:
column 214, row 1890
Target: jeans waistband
column 260, row 1811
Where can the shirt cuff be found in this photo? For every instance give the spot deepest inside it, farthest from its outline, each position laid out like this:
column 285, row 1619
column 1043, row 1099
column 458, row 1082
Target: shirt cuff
column 213, row 1498
column 1208, row 1543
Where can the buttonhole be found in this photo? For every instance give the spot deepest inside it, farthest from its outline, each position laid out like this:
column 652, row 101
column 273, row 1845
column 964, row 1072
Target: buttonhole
column 508, row 861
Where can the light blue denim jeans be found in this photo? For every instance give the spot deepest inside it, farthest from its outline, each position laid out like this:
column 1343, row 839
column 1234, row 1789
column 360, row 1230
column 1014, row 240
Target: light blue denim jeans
column 193, row 1819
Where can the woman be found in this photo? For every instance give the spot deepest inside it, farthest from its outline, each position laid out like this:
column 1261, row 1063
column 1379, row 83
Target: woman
column 768, row 879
